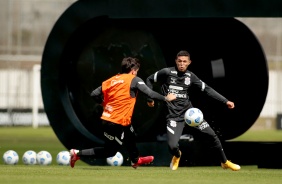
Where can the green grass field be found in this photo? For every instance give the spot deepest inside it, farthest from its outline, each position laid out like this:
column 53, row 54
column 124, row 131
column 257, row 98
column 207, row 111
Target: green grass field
column 261, row 135
column 22, row 139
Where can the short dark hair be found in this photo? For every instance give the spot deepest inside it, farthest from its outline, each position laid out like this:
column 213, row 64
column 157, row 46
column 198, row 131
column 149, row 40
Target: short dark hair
column 183, row 53
column 128, row 64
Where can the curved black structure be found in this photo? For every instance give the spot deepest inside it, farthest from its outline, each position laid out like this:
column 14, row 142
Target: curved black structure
column 86, row 46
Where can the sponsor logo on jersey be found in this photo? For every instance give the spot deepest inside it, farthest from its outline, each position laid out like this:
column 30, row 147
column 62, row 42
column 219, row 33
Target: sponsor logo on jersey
column 175, row 87
column 177, row 91
column 114, row 82
column 187, row 81
column 181, row 95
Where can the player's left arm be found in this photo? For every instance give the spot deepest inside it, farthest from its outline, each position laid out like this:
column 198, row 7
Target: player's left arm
column 211, row 92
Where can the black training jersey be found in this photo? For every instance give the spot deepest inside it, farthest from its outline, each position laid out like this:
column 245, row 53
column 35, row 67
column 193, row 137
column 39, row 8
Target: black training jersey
column 179, row 83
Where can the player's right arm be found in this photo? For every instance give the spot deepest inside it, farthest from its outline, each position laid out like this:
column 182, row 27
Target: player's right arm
column 158, row 76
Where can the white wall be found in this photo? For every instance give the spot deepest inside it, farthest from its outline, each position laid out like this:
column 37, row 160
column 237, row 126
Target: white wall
column 273, row 104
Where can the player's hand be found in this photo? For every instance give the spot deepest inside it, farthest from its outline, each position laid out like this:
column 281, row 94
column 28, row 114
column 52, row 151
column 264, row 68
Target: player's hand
column 170, row 97
column 151, row 104
column 230, row 104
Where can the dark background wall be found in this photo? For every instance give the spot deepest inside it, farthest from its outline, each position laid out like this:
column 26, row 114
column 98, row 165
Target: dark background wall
column 84, row 49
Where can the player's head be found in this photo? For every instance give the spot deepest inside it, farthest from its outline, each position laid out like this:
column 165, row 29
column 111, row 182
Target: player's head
column 182, row 60
column 130, row 65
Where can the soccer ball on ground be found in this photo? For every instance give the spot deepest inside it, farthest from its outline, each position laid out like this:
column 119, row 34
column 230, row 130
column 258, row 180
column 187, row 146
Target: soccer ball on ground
column 193, row 117
column 44, row 158
column 63, row 158
column 10, row 157
column 116, row 160
column 29, row 157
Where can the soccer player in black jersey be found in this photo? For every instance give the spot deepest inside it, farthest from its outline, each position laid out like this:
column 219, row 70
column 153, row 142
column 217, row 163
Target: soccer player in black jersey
column 178, row 80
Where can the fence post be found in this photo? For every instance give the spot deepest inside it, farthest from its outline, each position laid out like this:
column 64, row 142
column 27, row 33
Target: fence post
column 36, row 87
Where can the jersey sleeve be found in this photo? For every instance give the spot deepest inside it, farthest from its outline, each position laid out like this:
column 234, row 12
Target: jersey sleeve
column 158, row 76
column 97, row 95
column 139, row 84
column 207, row 89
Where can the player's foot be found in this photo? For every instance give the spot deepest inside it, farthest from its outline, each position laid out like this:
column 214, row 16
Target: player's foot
column 74, row 157
column 175, row 162
column 230, row 165
column 142, row 161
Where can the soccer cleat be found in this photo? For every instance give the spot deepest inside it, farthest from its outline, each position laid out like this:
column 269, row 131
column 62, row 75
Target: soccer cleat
column 74, row 157
column 175, row 162
column 142, row 161
column 230, row 165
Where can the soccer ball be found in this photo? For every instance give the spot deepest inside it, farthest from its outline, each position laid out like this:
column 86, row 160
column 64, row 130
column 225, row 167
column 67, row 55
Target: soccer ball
column 29, row 157
column 63, row 158
column 193, row 117
column 10, row 157
column 44, row 158
column 116, row 160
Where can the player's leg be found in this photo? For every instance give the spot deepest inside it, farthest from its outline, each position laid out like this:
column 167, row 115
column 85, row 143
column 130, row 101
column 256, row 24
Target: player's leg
column 174, row 131
column 208, row 134
column 113, row 137
column 112, row 133
column 130, row 144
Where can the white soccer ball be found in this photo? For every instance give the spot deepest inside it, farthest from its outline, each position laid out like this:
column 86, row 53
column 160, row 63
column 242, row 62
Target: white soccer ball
column 116, row 160
column 10, row 157
column 44, row 158
column 63, row 158
column 29, row 157
column 193, row 117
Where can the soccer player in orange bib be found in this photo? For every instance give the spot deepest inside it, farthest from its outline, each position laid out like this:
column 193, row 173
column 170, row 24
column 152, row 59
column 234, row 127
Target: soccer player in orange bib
column 118, row 95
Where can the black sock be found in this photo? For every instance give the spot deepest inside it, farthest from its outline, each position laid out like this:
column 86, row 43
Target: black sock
column 86, row 152
column 223, row 158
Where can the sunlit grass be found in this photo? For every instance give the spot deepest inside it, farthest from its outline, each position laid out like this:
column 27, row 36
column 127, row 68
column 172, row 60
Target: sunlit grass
column 22, row 139
column 128, row 175
column 261, row 135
